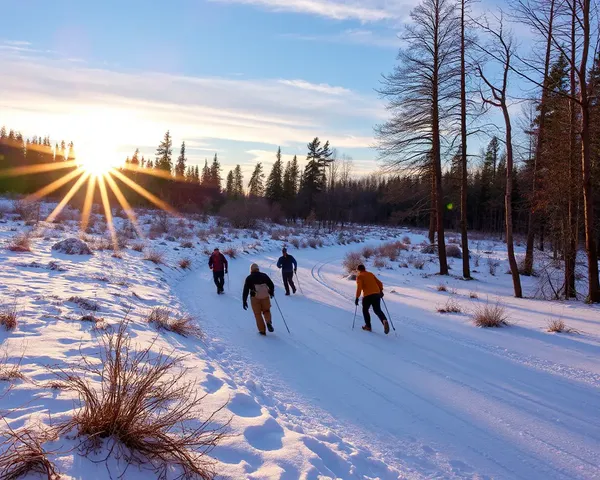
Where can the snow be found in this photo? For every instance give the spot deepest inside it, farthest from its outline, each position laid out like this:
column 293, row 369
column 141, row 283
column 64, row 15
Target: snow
column 436, row 398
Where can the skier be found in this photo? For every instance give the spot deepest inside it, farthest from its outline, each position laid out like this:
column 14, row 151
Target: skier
column 218, row 264
column 261, row 290
column 288, row 266
column 372, row 289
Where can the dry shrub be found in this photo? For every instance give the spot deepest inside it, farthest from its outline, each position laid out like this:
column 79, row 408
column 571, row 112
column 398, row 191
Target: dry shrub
column 10, row 372
column 473, row 295
column 187, row 244
column 442, row 287
column 429, row 248
column 90, row 318
column 313, row 242
column 23, row 454
column 452, row 306
column 155, row 256
column 406, row 240
column 417, row 262
column 492, row 265
column 246, row 213
column 351, row 262
column 144, row 407
column 185, row 263
column 160, row 225
column 490, row 315
column 164, row 319
column 28, row 211
column 367, row 252
column 85, row 304
column 557, row 325
column 303, row 244
column 138, row 247
column 453, row 251
column 20, row 243
column 294, row 242
column 9, row 316
column 230, row 252
column 379, row 262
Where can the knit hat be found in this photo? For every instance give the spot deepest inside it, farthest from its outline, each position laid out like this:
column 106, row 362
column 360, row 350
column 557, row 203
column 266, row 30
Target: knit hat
column 254, row 268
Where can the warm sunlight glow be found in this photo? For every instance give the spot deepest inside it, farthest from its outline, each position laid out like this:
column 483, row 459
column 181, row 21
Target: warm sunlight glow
column 97, row 161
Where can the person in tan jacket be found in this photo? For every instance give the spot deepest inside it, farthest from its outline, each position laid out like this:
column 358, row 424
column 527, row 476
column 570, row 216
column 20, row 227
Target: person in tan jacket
column 261, row 289
column 371, row 288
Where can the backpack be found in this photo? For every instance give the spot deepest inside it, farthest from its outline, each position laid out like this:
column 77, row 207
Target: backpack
column 261, row 291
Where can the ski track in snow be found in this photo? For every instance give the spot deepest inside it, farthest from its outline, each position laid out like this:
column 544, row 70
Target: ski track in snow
column 505, row 426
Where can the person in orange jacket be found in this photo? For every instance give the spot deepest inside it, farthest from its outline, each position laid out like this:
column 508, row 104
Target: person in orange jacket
column 371, row 288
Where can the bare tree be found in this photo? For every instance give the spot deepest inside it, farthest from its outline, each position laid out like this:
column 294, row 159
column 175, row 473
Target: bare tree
column 501, row 50
column 422, row 98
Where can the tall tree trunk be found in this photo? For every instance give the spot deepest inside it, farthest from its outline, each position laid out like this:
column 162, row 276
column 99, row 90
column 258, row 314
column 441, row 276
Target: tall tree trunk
column 514, row 269
column 433, row 208
column 528, row 264
column 437, row 160
column 463, row 152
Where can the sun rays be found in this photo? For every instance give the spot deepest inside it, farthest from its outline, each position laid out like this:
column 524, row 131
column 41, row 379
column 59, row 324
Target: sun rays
column 95, row 176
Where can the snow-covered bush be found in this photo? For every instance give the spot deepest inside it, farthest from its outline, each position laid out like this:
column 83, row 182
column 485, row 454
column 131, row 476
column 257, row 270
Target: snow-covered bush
column 164, row 319
column 453, row 251
column 20, row 244
column 72, row 246
column 351, row 262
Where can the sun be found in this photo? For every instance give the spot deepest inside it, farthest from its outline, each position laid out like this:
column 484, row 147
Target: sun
column 97, row 162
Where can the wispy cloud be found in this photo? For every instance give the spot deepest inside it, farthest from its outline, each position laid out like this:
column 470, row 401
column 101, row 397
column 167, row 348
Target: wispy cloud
column 364, row 11
column 106, row 107
column 352, row 36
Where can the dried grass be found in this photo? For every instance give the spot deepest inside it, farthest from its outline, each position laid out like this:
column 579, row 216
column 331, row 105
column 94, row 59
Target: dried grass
column 380, row 262
column 453, row 251
column 230, row 252
column 20, row 244
column 442, row 287
column 490, row 315
column 155, row 256
column 557, row 325
column 187, row 244
column 144, row 407
column 452, row 306
column 406, row 240
column 137, row 247
column 351, row 262
column 23, row 454
column 367, row 252
column 85, row 304
column 165, row 319
column 185, row 263
column 9, row 316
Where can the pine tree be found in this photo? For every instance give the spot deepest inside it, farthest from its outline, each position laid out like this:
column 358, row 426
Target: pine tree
column 274, row 190
column 206, row 178
column 238, row 182
column 197, row 174
column 181, row 161
column 229, row 187
column 135, row 160
column 215, row 174
column 143, row 162
column 290, row 179
column 255, row 185
column 163, row 154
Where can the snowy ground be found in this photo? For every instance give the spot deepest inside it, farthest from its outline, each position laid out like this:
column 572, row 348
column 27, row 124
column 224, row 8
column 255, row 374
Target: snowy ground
column 438, row 398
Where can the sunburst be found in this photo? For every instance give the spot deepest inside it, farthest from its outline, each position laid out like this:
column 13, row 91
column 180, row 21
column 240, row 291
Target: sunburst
column 97, row 174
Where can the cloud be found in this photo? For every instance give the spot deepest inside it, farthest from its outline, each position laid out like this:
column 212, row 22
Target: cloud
column 352, row 36
column 108, row 109
column 364, row 11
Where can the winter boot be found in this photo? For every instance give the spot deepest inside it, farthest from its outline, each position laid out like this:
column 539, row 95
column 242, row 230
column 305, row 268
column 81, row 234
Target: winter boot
column 287, row 294
column 270, row 327
column 262, row 333
column 366, row 328
column 386, row 327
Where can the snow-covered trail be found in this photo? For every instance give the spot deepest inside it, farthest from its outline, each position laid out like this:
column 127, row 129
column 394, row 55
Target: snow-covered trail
column 439, row 400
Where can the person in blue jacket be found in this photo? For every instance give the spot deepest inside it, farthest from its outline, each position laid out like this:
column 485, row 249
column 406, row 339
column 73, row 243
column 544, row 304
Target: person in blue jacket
column 288, row 266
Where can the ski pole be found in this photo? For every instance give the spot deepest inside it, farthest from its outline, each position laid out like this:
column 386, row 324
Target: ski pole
column 388, row 312
column 299, row 286
column 281, row 313
column 228, row 280
column 354, row 321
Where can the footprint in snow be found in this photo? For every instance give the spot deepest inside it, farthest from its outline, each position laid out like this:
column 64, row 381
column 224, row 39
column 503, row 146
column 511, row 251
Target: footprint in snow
column 244, row 405
column 211, row 384
column 266, row 437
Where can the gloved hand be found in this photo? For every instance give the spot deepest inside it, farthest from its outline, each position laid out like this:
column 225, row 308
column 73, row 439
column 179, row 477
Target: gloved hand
column 381, row 294
column 245, row 305
column 356, row 301
column 226, row 271
column 271, row 294
column 295, row 270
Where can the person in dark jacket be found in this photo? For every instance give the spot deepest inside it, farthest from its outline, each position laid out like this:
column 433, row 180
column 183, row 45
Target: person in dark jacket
column 218, row 264
column 288, row 266
column 261, row 289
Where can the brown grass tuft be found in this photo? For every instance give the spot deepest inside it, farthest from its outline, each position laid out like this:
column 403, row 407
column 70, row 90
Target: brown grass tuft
column 9, row 316
column 165, row 319
column 490, row 315
column 442, row 287
column 557, row 325
column 367, row 252
column 230, row 252
column 23, row 454
column 187, row 244
column 185, row 263
column 452, row 306
column 380, row 262
column 144, row 407
column 473, row 295
column 20, row 244
column 137, row 247
column 155, row 256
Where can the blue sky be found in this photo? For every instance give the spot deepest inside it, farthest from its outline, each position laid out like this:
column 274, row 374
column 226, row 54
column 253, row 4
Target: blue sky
column 236, row 77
